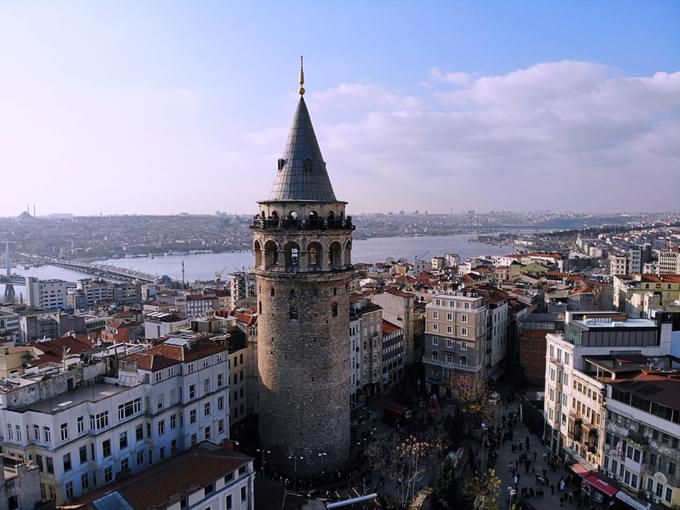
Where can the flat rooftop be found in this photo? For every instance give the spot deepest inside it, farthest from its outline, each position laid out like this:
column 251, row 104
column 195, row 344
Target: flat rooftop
column 94, row 393
column 628, row 323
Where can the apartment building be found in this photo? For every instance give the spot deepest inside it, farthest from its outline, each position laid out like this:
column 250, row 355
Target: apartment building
column 392, row 354
column 455, row 338
column 638, row 294
column 47, row 294
column 19, row 484
column 574, row 400
column 199, row 305
column 641, row 432
column 401, row 308
column 92, row 424
column 366, row 348
column 618, row 264
column 669, row 261
column 10, row 327
column 160, row 324
column 243, row 289
column 205, row 477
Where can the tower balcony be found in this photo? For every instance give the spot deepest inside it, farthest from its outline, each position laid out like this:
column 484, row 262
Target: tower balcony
column 306, row 224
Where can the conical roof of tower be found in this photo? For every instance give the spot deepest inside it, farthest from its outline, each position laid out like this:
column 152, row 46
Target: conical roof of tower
column 301, row 173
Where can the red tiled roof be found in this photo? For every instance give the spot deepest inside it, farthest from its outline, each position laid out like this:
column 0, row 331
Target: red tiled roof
column 389, row 328
column 165, row 355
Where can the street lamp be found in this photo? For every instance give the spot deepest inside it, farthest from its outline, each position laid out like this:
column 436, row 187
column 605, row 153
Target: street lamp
column 483, row 460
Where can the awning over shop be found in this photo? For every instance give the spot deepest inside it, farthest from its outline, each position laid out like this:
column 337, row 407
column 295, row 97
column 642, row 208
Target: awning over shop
column 602, row 486
column 580, row 470
column 632, row 502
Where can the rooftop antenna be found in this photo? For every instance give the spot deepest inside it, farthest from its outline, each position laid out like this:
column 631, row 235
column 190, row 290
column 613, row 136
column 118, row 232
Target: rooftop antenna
column 183, row 284
column 302, row 77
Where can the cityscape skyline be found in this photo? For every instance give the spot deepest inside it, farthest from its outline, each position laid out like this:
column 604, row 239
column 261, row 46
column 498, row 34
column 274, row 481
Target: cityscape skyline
column 473, row 118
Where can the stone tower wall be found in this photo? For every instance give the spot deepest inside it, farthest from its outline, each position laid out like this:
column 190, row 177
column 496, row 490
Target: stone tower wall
column 303, row 360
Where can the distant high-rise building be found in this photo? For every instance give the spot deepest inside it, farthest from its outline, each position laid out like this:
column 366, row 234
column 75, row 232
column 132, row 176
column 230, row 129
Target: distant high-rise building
column 302, row 244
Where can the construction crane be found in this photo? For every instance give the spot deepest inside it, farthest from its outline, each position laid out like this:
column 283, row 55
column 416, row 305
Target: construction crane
column 218, row 274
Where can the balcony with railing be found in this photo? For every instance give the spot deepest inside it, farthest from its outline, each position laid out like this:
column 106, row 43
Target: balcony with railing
column 303, row 224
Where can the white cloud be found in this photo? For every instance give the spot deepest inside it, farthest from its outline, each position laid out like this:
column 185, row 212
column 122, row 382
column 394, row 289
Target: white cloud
column 353, row 97
column 462, row 79
column 567, row 135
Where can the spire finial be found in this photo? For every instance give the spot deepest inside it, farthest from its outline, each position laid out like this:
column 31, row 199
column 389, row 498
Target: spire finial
column 302, row 77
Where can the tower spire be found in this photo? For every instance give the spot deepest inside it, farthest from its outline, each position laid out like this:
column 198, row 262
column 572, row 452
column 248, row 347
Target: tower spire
column 302, row 77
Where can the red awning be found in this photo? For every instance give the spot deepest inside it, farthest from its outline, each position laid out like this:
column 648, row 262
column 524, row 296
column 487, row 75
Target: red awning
column 580, row 470
column 601, row 485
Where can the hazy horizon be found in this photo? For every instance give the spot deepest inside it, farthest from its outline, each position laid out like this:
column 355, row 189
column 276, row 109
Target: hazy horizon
column 128, row 108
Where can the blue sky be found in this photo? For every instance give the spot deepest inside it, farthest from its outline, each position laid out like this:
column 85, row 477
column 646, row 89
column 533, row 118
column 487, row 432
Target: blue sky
column 184, row 106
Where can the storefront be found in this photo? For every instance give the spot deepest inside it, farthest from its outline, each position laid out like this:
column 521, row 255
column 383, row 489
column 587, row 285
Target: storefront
column 627, row 501
column 599, row 490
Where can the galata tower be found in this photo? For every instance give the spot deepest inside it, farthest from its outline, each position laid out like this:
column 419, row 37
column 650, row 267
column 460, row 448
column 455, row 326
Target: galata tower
column 303, row 245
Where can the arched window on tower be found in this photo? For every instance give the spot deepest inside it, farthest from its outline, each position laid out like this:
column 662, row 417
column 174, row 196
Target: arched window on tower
column 259, row 308
column 334, row 255
column 334, row 309
column 292, row 256
column 271, row 254
column 257, row 247
column 348, row 254
column 292, row 312
column 314, row 256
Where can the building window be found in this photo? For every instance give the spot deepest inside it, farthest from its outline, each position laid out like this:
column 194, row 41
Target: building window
column 106, row 448
column 292, row 312
column 435, row 341
column 69, row 489
column 124, row 465
column 67, row 462
column 206, row 409
column 220, row 403
column 50, row 465
column 435, row 355
column 192, row 391
column 464, row 317
column 244, row 494
column 47, row 436
column 219, row 380
column 435, row 326
column 63, row 430
column 227, row 503
column 82, row 453
column 36, row 432
column 192, row 416
column 334, row 309
column 140, row 458
column 139, row 433
column 449, row 316
column 108, row 474
column 463, row 360
column 99, row 421
column 669, row 494
column 463, row 331
column 435, row 314
column 173, row 422
column 123, row 440
column 85, row 481
column 161, row 427
column 81, row 424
